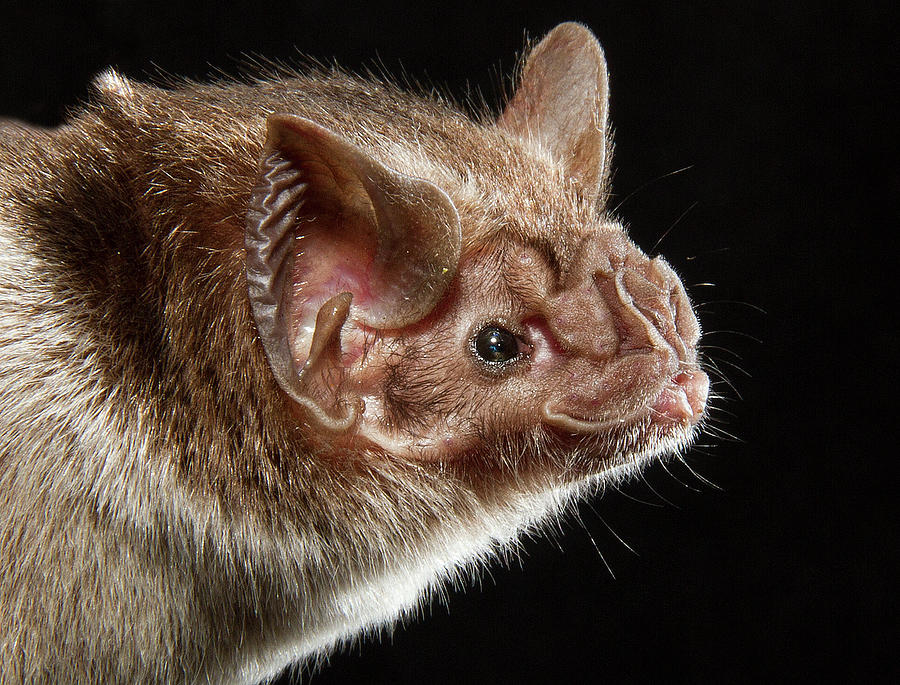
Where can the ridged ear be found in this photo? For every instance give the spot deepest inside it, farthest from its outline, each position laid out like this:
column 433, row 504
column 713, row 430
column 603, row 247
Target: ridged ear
column 335, row 238
column 562, row 102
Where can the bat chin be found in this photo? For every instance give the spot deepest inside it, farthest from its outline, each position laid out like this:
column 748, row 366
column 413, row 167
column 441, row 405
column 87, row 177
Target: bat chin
column 620, row 450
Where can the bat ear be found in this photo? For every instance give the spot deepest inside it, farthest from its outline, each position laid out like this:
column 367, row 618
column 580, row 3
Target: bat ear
column 561, row 103
column 335, row 239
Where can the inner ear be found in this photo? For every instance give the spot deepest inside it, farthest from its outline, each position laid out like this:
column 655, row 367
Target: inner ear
column 561, row 103
column 335, row 240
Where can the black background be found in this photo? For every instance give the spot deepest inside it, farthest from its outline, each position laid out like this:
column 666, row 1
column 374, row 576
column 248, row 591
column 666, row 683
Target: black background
column 781, row 118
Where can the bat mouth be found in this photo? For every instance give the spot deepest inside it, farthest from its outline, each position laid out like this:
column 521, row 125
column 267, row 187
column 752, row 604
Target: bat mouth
column 683, row 398
column 679, row 404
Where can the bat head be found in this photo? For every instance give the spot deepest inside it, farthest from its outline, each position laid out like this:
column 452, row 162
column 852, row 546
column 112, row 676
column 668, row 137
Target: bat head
column 395, row 317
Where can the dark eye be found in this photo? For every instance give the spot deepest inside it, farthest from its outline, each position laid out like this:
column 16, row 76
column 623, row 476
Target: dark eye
column 495, row 345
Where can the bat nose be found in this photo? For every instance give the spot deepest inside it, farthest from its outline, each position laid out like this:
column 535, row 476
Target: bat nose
column 616, row 300
column 641, row 315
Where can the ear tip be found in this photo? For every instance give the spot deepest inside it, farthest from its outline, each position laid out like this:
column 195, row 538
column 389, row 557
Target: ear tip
column 572, row 28
column 291, row 132
column 280, row 124
column 576, row 35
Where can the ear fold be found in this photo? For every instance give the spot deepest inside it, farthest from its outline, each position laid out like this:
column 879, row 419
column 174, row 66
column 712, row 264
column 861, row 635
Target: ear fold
column 328, row 225
column 562, row 102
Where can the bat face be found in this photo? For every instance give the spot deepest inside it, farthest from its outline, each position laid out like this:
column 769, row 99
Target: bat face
column 281, row 358
column 520, row 348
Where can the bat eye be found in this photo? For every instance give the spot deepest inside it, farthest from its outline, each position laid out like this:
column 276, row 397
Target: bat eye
column 495, row 345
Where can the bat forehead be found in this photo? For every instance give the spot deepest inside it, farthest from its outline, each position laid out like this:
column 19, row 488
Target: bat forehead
column 537, row 210
column 532, row 263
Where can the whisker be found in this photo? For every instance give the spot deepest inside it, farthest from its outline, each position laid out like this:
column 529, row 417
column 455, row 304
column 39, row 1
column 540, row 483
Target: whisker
column 614, row 533
column 627, row 495
column 708, row 252
column 653, row 490
column 704, row 347
column 665, row 468
column 647, row 184
column 719, row 397
column 740, row 333
column 725, row 435
column 702, row 479
column 710, row 364
column 736, row 367
column 609, row 570
column 674, row 224
column 596, row 547
column 740, row 302
column 721, row 410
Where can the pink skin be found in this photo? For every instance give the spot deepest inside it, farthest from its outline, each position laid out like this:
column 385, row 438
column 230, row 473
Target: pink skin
column 683, row 399
column 594, row 355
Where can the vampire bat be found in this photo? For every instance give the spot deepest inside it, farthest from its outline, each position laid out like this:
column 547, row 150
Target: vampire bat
column 279, row 358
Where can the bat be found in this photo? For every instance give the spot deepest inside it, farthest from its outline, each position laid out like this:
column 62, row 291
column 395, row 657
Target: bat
column 281, row 357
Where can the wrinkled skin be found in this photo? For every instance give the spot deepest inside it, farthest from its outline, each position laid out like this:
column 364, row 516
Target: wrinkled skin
column 614, row 345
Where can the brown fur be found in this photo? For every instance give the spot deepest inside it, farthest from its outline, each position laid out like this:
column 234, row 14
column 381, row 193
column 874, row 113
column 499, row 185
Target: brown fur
column 165, row 514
